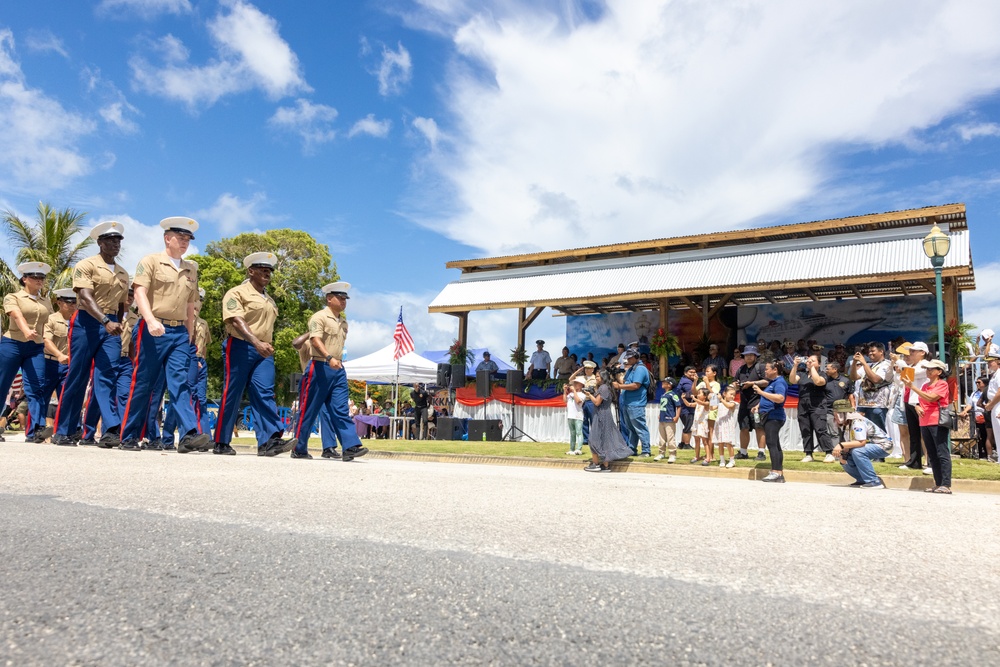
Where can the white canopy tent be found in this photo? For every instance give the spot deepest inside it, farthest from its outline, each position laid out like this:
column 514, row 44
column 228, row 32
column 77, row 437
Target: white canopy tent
column 379, row 366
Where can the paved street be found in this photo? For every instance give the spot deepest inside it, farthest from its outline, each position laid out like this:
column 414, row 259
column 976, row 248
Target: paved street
column 119, row 558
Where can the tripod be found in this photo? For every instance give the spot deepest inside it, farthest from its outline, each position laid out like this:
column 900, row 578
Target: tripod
column 514, row 430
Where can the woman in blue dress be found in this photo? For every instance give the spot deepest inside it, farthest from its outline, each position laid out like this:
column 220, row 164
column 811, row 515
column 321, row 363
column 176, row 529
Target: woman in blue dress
column 21, row 348
column 606, row 442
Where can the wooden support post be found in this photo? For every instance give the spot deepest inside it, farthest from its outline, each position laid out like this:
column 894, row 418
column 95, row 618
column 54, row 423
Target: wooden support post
column 463, row 329
column 950, row 295
column 704, row 315
column 665, row 325
column 726, row 298
column 523, row 322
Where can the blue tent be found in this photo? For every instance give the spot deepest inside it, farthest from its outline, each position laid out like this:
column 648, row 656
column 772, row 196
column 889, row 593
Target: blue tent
column 470, row 368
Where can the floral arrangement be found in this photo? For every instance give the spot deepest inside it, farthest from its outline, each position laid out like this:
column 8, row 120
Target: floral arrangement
column 664, row 344
column 458, row 354
column 518, row 357
column 958, row 340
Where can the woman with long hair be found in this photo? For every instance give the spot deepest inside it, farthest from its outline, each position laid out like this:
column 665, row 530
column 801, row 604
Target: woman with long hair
column 771, row 414
column 606, row 441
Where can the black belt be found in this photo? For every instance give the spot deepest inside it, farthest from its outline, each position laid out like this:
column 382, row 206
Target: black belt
column 170, row 323
column 49, row 356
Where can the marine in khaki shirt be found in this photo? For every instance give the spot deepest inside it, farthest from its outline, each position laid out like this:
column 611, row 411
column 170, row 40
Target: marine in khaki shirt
column 250, row 303
column 108, row 288
column 331, row 330
column 130, row 321
column 170, row 286
column 56, row 336
column 34, row 312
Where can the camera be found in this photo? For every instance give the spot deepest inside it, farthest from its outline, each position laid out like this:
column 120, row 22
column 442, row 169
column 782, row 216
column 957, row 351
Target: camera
column 801, row 368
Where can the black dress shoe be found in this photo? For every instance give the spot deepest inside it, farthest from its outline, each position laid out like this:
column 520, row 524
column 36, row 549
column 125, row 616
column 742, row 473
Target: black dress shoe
column 63, row 441
column 110, row 439
column 43, row 434
column 296, row 455
column 354, row 452
column 153, row 445
column 194, row 442
column 331, row 453
column 224, row 450
column 130, row 446
column 168, row 447
column 87, row 443
column 280, row 446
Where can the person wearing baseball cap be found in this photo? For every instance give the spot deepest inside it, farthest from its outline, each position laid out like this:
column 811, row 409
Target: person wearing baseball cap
column 487, row 364
column 749, row 374
column 986, row 345
column 575, row 398
column 249, row 314
column 670, row 404
column 863, row 443
column 166, row 291
column 324, row 381
column 95, row 338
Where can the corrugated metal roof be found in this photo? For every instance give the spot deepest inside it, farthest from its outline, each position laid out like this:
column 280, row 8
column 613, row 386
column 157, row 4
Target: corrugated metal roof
column 847, row 262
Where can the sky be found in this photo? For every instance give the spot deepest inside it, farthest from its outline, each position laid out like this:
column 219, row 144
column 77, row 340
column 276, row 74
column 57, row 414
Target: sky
column 407, row 133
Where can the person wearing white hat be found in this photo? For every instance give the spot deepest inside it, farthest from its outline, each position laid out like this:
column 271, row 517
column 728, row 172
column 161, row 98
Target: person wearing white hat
column 325, row 381
column 56, row 342
column 987, row 348
column 249, row 313
column 21, row 348
column 575, row 398
column 95, row 337
column 750, row 374
column 166, row 291
column 915, row 359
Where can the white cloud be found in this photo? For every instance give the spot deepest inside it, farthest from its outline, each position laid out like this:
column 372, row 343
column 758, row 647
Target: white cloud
column 250, row 54
column 971, row 131
column 44, row 41
column 982, row 306
column 372, row 317
column 395, row 70
column 233, row 214
column 659, row 116
column 429, row 129
column 312, row 122
column 114, row 114
column 115, row 109
column 146, row 9
column 38, row 136
column 368, row 125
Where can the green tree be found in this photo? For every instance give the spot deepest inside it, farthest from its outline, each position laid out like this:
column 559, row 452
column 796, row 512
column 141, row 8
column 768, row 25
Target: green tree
column 304, row 266
column 51, row 239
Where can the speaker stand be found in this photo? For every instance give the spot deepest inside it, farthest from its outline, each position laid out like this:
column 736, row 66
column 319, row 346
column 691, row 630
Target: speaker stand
column 514, row 430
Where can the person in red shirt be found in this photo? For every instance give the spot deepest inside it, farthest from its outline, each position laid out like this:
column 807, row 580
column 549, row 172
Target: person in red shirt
column 933, row 396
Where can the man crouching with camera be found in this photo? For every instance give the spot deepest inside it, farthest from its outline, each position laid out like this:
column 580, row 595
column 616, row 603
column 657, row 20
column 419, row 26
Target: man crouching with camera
column 867, row 443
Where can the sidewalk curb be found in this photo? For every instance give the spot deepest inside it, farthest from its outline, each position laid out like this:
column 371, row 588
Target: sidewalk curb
column 907, row 483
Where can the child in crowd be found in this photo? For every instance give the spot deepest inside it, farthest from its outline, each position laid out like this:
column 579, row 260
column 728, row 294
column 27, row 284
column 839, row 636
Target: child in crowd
column 670, row 404
column 709, row 383
column 701, row 427
column 573, row 393
column 725, row 426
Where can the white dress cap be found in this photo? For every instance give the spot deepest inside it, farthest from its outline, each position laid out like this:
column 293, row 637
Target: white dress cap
column 65, row 293
column 337, row 288
column 180, row 224
column 33, row 267
column 109, row 228
column 268, row 259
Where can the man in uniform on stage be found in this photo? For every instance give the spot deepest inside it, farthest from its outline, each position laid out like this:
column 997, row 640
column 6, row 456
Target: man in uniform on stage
column 541, row 362
column 166, row 290
column 249, row 313
column 325, row 381
column 95, row 337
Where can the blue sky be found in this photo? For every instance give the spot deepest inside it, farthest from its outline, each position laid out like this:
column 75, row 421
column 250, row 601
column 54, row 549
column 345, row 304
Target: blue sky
column 408, row 133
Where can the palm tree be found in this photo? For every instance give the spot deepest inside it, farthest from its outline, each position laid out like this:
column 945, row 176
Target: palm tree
column 50, row 239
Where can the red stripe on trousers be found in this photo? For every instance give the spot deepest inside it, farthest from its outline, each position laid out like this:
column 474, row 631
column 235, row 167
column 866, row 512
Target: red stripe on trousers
column 135, row 371
column 304, row 399
column 225, row 387
column 69, row 351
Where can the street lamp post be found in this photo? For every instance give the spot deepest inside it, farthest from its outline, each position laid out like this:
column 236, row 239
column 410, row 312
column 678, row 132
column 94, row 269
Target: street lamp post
column 936, row 247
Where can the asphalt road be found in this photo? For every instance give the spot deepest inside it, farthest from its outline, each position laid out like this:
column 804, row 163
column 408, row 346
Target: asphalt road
column 119, row 558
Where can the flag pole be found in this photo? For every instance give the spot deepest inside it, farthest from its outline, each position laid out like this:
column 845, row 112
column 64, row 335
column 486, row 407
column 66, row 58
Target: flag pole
column 397, row 378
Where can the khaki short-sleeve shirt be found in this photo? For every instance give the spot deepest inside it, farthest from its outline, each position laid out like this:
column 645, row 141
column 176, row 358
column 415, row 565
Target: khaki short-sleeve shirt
column 131, row 318
column 169, row 289
column 57, row 331
column 331, row 329
column 202, row 337
column 110, row 287
column 258, row 310
column 36, row 313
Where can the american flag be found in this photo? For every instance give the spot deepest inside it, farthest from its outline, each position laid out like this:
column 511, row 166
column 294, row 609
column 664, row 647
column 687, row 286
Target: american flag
column 404, row 344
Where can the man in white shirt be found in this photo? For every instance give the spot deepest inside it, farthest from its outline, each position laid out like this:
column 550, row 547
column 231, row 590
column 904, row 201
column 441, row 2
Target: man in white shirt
column 916, row 359
column 993, row 392
column 541, row 362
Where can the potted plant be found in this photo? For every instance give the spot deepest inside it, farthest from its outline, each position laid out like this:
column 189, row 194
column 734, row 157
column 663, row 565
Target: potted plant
column 459, row 357
column 518, row 357
column 958, row 340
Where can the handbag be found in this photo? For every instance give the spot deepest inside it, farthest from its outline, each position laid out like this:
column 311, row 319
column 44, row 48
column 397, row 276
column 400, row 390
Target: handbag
column 980, row 418
column 946, row 417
